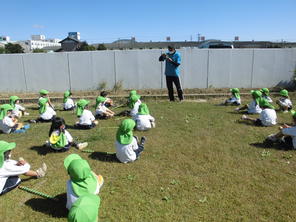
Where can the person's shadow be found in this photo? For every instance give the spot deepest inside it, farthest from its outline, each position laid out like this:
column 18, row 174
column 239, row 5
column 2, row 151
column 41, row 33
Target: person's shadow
column 54, row 208
column 269, row 145
column 41, row 150
column 104, row 156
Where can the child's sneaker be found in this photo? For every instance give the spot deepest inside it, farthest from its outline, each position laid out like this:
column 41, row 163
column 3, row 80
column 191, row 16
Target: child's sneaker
column 236, row 109
column 41, row 171
column 81, row 146
column 96, row 122
column 137, row 139
column 285, row 111
column 26, row 114
column 32, row 121
column 143, row 139
column 244, row 117
column 272, row 138
column 47, row 143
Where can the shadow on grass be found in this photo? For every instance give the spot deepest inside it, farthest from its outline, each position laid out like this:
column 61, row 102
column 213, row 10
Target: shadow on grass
column 239, row 113
column 54, row 208
column 269, row 145
column 104, row 156
column 41, row 150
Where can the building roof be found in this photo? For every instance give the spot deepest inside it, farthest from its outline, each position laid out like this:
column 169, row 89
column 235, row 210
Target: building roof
column 69, row 38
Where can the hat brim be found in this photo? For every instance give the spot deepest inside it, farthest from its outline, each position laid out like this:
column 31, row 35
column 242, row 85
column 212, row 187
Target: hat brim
column 9, row 146
column 70, row 158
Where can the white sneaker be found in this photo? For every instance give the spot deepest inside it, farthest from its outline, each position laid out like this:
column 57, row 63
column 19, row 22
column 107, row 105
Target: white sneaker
column 41, row 171
column 244, row 117
column 236, row 109
column 96, row 122
column 26, row 114
column 286, row 111
column 81, row 146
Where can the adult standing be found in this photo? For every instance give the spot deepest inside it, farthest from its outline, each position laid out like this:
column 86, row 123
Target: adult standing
column 172, row 71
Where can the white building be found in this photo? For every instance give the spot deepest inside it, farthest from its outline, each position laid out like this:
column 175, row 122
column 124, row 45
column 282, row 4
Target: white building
column 39, row 42
column 4, row 39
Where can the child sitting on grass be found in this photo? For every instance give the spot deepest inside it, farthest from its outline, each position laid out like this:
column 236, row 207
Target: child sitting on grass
column 108, row 102
column 9, row 123
column 45, row 110
column 253, row 107
column 82, row 181
column 235, row 99
column 11, row 169
column 286, row 137
column 143, row 119
column 85, row 209
column 265, row 94
column 86, row 118
column 102, row 112
column 134, row 103
column 44, row 94
column 127, row 147
column 68, row 101
column 18, row 110
column 267, row 116
column 284, row 102
column 60, row 139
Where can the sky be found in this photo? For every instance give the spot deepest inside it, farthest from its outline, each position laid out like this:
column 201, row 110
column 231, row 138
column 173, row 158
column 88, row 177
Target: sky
column 102, row 21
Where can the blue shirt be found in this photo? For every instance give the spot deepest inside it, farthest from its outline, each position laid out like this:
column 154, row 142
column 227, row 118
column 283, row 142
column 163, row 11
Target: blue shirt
column 170, row 68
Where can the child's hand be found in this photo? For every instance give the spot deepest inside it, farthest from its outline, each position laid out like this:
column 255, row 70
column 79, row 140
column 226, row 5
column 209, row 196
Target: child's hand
column 21, row 162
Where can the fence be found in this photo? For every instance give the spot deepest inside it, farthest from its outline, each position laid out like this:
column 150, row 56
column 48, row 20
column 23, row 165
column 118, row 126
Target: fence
column 140, row 69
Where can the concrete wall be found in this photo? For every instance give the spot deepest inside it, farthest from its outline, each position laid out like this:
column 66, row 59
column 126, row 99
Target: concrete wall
column 140, row 69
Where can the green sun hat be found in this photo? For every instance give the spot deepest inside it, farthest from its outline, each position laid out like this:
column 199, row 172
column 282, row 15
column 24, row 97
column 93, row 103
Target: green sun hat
column 143, row 109
column 265, row 91
column 3, row 110
column 70, row 158
column 235, row 92
column 284, row 92
column 5, row 146
column 133, row 99
column 42, row 105
column 264, row 103
column 257, row 95
column 100, row 99
column 80, row 106
column 293, row 112
column 43, row 92
column 83, row 181
column 66, row 95
column 124, row 133
column 85, row 209
column 132, row 92
column 12, row 100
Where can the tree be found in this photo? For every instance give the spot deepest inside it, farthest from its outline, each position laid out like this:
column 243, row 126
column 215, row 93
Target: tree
column 86, row 47
column 101, row 47
column 2, row 50
column 39, row 51
column 13, row 48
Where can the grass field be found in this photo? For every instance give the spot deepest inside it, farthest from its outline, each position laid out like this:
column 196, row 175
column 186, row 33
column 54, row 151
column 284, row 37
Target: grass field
column 199, row 164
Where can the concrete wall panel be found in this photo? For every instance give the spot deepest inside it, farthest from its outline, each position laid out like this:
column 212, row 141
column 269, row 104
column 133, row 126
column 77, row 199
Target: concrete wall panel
column 12, row 78
column 219, row 68
column 48, row 71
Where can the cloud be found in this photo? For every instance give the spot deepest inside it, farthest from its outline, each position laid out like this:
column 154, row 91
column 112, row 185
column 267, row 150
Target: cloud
column 36, row 26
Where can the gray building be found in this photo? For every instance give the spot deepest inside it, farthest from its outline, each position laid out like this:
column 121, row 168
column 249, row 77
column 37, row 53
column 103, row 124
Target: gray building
column 69, row 44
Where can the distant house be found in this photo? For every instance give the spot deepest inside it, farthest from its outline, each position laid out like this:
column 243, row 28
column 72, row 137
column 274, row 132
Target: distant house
column 69, row 44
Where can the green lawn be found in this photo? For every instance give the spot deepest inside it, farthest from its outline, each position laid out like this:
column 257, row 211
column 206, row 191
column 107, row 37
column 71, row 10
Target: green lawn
column 199, row 164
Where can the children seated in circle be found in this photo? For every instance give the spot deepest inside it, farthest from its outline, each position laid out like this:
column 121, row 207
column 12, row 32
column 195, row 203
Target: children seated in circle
column 235, row 99
column 267, row 117
column 60, row 139
column 82, row 181
column 9, row 122
column 128, row 149
column 253, row 107
column 265, row 94
column 68, row 103
column 86, row 118
column 10, row 169
column 143, row 119
column 18, row 110
column 284, row 101
column 286, row 137
column 102, row 112
column 134, row 103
